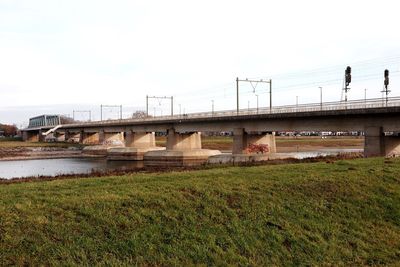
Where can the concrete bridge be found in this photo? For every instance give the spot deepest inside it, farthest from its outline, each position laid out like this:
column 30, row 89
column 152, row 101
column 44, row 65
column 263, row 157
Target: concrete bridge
column 377, row 118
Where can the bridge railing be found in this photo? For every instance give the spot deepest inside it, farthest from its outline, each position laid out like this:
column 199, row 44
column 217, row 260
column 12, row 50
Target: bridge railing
column 325, row 106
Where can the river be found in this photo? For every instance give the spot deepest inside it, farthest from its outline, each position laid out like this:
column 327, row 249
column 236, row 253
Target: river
column 53, row 167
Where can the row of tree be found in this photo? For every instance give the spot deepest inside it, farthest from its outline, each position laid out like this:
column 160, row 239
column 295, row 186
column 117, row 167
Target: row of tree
column 8, row 130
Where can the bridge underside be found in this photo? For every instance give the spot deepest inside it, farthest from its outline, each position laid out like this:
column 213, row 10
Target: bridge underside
column 183, row 134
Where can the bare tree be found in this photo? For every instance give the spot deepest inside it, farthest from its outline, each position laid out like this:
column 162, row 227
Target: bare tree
column 66, row 120
column 9, row 130
column 140, row 114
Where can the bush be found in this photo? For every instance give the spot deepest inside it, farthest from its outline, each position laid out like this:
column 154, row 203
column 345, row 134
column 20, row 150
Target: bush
column 258, row 148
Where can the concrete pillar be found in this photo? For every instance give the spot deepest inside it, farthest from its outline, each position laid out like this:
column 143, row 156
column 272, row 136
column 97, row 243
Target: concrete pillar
column 140, row 139
column 102, row 137
column 392, row 146
column 374, row 145
column 183, row 141
column 41, row 136
column 90, row 138
column 242, row 139
column 60, row 137
column 72, row 137
column 31, row 136
column 81, row 137
column 25, row 136
column 112, row 138
column 67, row 136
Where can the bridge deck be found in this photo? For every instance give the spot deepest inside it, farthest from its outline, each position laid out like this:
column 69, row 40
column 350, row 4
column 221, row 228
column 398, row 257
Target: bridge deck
column 369, row 106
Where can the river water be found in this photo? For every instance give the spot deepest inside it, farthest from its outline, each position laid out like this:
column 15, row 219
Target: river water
column 53, row 167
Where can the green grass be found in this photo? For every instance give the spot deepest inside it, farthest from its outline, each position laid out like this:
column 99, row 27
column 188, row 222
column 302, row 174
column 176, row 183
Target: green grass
column 342, row 213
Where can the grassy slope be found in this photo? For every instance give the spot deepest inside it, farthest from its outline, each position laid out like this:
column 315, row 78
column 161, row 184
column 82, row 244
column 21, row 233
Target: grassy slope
column 225, row 142
column 347, row 212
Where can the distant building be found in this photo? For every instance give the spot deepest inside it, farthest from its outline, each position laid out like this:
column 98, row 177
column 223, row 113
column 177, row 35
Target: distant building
column 2, row 133
column 44, row 120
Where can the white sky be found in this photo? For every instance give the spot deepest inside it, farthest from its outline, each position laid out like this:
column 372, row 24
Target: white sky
column 59, row 56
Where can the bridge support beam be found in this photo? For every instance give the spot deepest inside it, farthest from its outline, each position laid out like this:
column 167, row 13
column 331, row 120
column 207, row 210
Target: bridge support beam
column 72, row 137
column 376, row 144
column 59, row 136
column 90, row 138
column 242, row 140
column 113, row 138
column 183, row 149
column 105, row 141
column 42, row 137
column 392, row 146
column 67, row 136
column 136, row 145
column 30, row 136
column 140, row 139
column 183, row 141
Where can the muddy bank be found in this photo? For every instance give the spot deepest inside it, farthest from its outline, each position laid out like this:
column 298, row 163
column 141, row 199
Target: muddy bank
column 25, row 153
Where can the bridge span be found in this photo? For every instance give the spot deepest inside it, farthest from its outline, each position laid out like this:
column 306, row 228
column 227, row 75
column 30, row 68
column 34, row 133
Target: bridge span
column 378, row 119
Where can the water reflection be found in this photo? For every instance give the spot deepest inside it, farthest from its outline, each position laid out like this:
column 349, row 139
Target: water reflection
column 53, row 167
column 319, row 153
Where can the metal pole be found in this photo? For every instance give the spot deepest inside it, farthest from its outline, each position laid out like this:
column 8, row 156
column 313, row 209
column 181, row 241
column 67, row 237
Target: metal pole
column 365, row 97
column 320, row 88
column 172, row 106
column 73, row 114
column 147, row 105
column 120, row 112
column 257, row 103
column 237, row 95
column 101, row 112
column 297, row 100
column 270, row 95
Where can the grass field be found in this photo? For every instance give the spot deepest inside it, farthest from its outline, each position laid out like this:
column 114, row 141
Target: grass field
column 284, row 144
column 341, row 213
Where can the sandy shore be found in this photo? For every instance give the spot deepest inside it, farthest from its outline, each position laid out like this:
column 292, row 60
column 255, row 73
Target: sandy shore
column 26, row 153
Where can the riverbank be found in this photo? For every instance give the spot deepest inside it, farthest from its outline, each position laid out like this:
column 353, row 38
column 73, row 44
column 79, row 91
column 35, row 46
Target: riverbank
column 336, row 213
column 19, row 150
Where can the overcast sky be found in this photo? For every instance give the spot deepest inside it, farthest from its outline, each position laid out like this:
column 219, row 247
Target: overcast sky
column 60, row 56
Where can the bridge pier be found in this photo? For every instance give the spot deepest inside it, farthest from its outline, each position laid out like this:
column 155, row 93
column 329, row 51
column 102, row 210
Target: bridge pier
column 73, row 137
column 41, row 136
column 103, row 140
column 30, row 136
column 183, row 149
column 59, row 136
column 242, row 140
column 376, row 144
column 90, row 138
column 67, row 136
column 136, row 145
column 140, row 139
column 113, row 138
column 183, row 141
